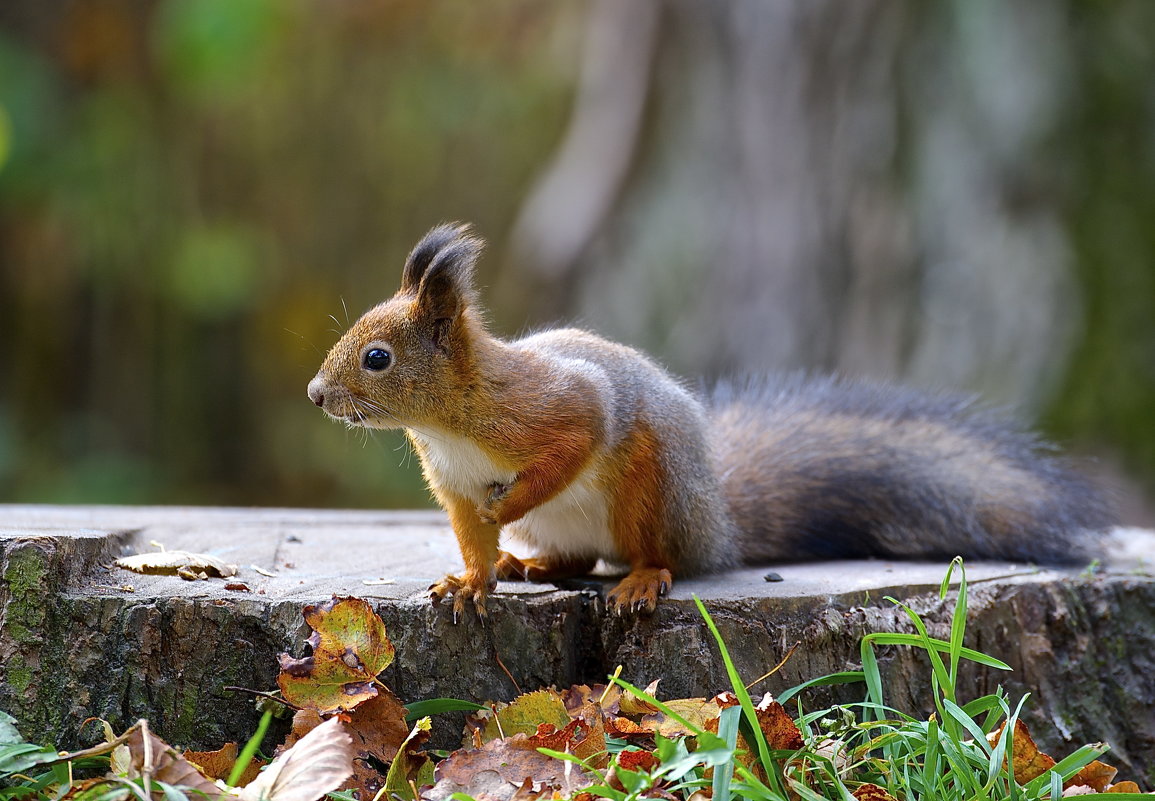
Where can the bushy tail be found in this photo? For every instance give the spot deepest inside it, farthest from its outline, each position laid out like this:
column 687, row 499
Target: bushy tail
column 816, row 467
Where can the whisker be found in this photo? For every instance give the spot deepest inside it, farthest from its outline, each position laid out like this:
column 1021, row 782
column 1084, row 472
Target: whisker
column 306, row 341
column 376, row 407
column 346, row 308
column 335, row 320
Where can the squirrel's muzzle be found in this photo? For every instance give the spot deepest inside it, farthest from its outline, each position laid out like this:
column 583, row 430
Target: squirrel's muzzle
column 316, row 391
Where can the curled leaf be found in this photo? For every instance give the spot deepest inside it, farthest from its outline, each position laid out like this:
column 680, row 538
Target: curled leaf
column 319, row 763
column 168, row 563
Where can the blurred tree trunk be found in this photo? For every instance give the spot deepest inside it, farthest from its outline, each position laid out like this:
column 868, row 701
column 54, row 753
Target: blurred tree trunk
column 815, row 184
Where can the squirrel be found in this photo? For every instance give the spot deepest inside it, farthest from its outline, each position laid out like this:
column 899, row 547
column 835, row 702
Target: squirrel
column 586, row 449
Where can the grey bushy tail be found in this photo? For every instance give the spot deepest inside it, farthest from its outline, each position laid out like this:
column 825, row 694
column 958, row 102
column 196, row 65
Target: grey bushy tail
column 823, row 467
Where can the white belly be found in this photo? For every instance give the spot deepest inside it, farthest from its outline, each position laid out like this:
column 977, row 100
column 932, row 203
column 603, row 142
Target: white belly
column 458, row 464
column 575, row 522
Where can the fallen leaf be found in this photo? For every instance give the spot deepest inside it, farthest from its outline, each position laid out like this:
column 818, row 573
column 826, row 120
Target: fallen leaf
column 522, row 715
column 378, row 728
column 152, row 755
column 485, row 785
column 872, row 792
column 1027, row 760
column 411, row 767
column 304, row 721
column 781, row 732
column 632, row 705
column 317, row 764
column 696, row 711
column 581, row 695
column 624, row 728
column 514, row 759
column 644, row 761
column 1096, row 775
column 169, row 563
column 219, row 764
column 1123, row 787
column 349, row 648
column 582, row 739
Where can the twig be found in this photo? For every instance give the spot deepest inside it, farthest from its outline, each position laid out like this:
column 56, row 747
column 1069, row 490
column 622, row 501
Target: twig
column 777, row 667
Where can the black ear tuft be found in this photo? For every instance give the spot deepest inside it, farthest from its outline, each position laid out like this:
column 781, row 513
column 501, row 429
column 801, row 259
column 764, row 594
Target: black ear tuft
column 445, row 284
column 430, row 246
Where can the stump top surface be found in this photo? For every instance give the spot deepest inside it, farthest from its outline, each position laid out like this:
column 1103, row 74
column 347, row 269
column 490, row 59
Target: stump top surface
column 395, row 555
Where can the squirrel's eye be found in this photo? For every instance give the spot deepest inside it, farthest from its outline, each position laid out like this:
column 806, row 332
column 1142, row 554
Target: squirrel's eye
column 377, row 359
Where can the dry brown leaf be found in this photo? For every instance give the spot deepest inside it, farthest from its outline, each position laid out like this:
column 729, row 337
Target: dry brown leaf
column 631, row 705
column 624, row 728
column 1096, row 775
column 638, row 760
column 781, row 732
column 514, row 759
column 304, row 721
column 148, row 754
column 485, row 785
column 378, row 728
column 1123, row 787
column 583, row 740
column 1028, row 761
column 697, row 711
column 581, row 695
column 168, row 563
column 219, row 764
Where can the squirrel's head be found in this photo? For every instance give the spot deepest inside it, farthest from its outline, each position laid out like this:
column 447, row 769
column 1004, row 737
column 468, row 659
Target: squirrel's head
column 405, row 361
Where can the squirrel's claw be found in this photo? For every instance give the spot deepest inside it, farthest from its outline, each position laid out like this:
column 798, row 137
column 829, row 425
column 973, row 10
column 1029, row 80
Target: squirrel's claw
column 639, row 591
column 463, row 589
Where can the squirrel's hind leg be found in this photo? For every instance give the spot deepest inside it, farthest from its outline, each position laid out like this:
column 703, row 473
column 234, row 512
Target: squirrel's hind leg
column 542, row 568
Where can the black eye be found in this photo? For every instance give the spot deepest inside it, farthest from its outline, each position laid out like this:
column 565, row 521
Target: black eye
column 377, row 359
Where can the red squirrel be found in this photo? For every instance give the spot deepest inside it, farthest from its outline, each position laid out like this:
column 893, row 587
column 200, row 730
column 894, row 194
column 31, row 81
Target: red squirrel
column 586, row 449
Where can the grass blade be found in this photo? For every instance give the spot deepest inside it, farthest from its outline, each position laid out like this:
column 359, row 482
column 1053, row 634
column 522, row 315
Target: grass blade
column 250, row 749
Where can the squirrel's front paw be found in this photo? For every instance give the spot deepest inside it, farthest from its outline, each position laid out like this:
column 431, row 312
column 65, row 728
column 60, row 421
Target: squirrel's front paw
column 490, row 511
column 468, row 587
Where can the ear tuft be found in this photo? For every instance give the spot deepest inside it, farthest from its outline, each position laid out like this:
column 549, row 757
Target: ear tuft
column 440, row 272
column 448, row 240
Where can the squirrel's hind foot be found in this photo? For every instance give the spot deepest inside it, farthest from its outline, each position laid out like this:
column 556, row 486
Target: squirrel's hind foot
column 640, row 590
column 463, row 588
column 541, row 568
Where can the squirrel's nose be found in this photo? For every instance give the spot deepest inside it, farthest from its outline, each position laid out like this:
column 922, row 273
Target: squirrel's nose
column 316, row 392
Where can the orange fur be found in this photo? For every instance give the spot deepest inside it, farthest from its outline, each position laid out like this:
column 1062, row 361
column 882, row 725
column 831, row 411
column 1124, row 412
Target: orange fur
column 635, row 490
column 636, row 522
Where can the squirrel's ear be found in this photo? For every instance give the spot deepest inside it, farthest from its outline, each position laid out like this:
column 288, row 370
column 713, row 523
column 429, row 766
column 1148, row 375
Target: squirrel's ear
column 440, row 269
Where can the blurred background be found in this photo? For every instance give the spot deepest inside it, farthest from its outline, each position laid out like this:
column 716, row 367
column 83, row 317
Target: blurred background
column 197, row 195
